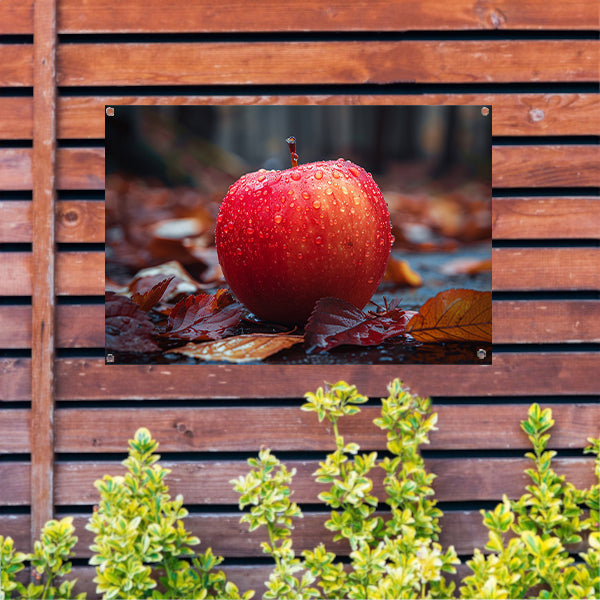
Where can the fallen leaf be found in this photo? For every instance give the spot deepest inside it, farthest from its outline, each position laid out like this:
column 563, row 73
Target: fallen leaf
column 454, row 315
column 334, row 322
column 204, row 317
column 181, row 283
column 400, row 273
column 153, row 296
column 241, row 348
column 127, row 328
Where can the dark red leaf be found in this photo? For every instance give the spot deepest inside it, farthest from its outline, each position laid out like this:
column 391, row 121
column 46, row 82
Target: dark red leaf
column 153, row 296
column 204, row 317
column 334, row 322
column 127, row 328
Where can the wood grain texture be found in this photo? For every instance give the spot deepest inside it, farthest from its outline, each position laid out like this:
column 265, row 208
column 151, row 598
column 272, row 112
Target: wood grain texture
column 546, row 269
column 512, row 373
column 290, row 429
column 77, row 326
column 268, row 63
column 545, row 321
column 15, row 433
column 549, row 165
column 513, row 114
column 16, row 65
column 546, row 218
column 77, row 273
column 76, row 221
column 43, row 265
column 379, row 15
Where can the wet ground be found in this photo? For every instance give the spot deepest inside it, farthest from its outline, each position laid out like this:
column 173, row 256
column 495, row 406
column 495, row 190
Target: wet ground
column 433, row 268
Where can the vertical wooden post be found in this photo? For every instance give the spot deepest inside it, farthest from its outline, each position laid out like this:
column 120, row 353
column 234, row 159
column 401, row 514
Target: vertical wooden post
column 42, row 358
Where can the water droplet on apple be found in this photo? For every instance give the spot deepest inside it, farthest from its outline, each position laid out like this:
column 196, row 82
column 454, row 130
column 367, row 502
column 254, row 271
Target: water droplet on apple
column 305, row 195
column 316, row 204
column 292, row 205
column 290, row 192
column 295, row 176
column 299, row 255
column 336, row 174
column 239, row 251
column 354, row 171
column 250, row 231
column 277, row 218
column 318, row 174
column 262, row 170
column 345, row 189
column 262, row 177
column 318, row 240
column 370, row 280
column 329, row 191
column 356, row 200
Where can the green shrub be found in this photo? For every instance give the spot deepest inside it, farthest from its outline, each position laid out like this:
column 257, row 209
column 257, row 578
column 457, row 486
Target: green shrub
column 400, row 557
column 141, row 548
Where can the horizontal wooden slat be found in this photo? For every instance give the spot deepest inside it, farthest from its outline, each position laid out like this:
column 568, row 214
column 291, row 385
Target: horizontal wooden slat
column 512, row 373
column 208, row 482
column 457, row 480
column 16, row 16
column 546, row 268
column 77, row 326
column 546, row 218
column 551, row 165
column 229, row 538
column 16, row 65
column 77, row 273
column 540, row 321
column 513, row 114
column 15, row 433
column 239, row 63
column 290, row 429
column 76, row 221
column 531, row 321
column 77, row 168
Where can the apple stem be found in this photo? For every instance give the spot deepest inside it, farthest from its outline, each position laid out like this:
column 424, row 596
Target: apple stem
column 291, row 142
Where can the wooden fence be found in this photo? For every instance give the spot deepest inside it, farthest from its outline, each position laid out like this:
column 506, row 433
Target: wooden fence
column 65, row 416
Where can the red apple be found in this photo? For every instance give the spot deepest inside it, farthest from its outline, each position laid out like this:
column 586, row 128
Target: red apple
column 285, row 239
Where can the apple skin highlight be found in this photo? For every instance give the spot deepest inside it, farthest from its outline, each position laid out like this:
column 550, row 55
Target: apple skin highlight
column 287, row 238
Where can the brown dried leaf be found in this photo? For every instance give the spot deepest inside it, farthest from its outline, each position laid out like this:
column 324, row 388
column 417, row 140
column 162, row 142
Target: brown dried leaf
column 241, row 348
column 400, row 273
column 454, row 315
column 181, row 283
column 153, row 296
